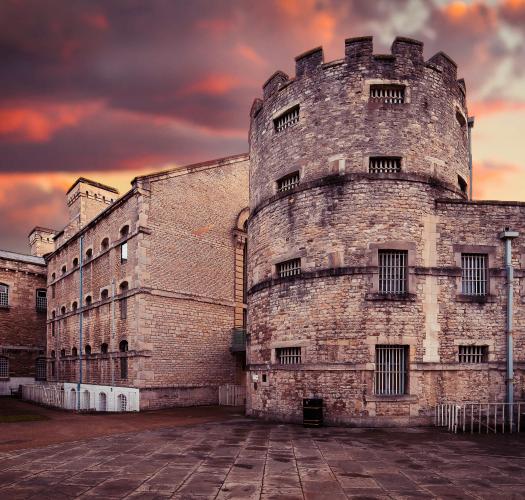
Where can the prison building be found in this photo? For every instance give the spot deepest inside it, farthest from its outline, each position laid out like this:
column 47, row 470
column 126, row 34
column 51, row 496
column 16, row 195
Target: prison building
column 374, row 282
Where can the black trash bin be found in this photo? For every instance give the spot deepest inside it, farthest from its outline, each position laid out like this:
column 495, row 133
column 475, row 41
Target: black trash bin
column 313, row 412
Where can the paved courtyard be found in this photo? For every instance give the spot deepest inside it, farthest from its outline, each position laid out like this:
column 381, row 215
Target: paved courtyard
column 245, row 459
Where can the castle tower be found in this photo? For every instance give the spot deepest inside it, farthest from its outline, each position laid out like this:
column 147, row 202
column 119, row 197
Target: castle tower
column 348, row 159
column 41, row 241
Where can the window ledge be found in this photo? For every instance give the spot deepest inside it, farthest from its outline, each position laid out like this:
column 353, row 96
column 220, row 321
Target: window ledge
column 475, row 299
column 398, row 398
column 391, row 297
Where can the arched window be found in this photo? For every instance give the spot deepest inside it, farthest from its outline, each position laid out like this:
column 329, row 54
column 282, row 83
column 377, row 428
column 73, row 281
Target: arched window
column 72, row 399
column 105, row 244
column 123, row 347
column 63, row 353
column 123, row 300
column 40, row 369
column 74, row 306
column 102, row 402
column 74, row 352
column 104, row 294
column 88, row 300
column 53, row 276
column 64, row 269
column 104, row 348
column 63, row 310
column 41, row 299
column 75, row 262
column 4, row 295
column 89, row 253
column 122, row 402
column 87, row 350
column 124, row 231
column 53, row 355
column 4, row 367
column 85, row 400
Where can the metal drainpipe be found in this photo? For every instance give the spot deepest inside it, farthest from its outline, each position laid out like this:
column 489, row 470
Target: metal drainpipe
column 81, row 318
column 112, row 340
column 507, row 236
column 470, row 125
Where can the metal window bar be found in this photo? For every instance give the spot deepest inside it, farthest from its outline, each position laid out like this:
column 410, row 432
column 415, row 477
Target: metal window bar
column 4, row 368
column 289, row 355
column 288, row 182
column 474, row 274
column 393, row 271
column 287, row 119
column 289, row 268
column 41, row 300
column 473, row 353
column 4, row 295
column 387, row 94
column 384, row 164
column 391, row 370
column 40, row 369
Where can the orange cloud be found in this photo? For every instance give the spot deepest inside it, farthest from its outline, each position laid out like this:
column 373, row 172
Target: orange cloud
column 498, row 182
column 475, row 16
column 249, row 54
column 515, row 4
column 484, row 108
column 214, row 84
column 215, row 26
column 38, row 123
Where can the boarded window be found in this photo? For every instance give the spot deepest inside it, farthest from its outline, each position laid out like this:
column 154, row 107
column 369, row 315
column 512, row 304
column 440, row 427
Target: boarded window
column 288, row 355
column 287, row 119
column 391, row 369
column 393, row 271
column 474, row 274
column 124, row 252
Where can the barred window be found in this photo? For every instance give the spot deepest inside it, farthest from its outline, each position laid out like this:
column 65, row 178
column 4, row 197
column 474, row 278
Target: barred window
column 289, row 268
column 474, row 274
column 473, row 353
column 4, row 368
column 288, row 355
column 41, row 299
column 40, row 369
column 4, row 295
column 288, row 182
column 393, row 271
column 388, row 94
column 384, row 164
column 287, row 119
column 391, row 369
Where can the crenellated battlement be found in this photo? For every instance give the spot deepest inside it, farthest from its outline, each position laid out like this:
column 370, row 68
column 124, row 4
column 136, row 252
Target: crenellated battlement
column 406, row 55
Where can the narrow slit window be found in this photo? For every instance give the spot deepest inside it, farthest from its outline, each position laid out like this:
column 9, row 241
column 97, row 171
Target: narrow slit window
column 288, row 182
column 387, row 94
column 287, row 119
column 384, row 165
column 474, row 274
column 288, row 355
column 289, row 268
column 473, row 353
column 462, row 183
column 391, row 370
column 393, row 271
column 124, row 252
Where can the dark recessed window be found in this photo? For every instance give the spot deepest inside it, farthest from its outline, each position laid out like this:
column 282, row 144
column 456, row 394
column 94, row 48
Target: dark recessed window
column 384, row 164
column 288, row 355
column 64, row 269
column 288, row 182
column 87, row 350
column 74, row 306
column 41, row 299
column 89, row 253
column 387, row 94
column 393, row 271
column 462, row 183
column 63, row 310
column 63, row 353
column 391, row 370
column 287, row 119
column 74, row 352
column 460, row 118
column 105, row 244
column 88, row 300
column 104, row 294
column 473, row 353
column 124, row 231
column 289, row 268
column 75, row 262
column 104, row 348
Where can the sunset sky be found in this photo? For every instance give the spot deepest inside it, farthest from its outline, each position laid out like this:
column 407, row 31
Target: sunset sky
column 112, row 89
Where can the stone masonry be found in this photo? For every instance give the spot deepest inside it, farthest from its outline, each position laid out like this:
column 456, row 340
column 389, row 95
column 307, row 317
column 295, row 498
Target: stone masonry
column 342, row 214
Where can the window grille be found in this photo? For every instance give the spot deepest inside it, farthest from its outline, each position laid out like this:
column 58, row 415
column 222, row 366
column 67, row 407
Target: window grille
column 288, row 355
column 4, row 296
column 287, row 119
column 384, row 165
column 289, row 268
column 393, row 271
column 473, row 353
column 41, row 300
column 288, row 182
column 124, row 252
column 40, row 369
column 474, row 274
column 122, row 402
column 4, row 368
column 389, row 94
column 391, row 369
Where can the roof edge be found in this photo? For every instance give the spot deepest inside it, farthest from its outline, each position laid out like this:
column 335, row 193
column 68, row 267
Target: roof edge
column 94, row 184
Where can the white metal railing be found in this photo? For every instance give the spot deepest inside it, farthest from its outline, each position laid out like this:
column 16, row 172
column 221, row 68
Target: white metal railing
column 384, row 165
column 481, row 417
column 289, row 268
column 288, row 355
column 473, row 274
column 288, row 182
column 232, row 395
column 393, row 271
column 287, row 119
column 391, row 370
column 45, row 394
column 387, row 94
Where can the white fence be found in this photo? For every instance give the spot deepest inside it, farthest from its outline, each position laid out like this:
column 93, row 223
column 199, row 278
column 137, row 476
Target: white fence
column 92, row 397
column 232, row 395
column 481, row 417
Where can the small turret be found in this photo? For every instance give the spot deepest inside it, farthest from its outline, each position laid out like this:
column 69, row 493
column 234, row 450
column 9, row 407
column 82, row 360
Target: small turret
column 41, row 241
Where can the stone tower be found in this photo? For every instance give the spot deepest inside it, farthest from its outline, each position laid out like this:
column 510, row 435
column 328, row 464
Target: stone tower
column 348, row 159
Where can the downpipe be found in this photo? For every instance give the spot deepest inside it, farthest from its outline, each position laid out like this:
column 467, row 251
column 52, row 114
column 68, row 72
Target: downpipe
column 81, row 317
column 470, row 125
column 507, row 236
